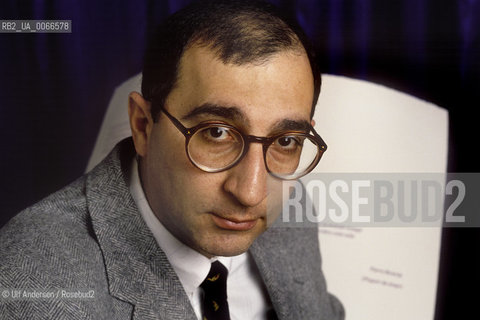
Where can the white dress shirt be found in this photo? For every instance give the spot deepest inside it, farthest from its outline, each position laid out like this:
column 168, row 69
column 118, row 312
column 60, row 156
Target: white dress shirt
column 246, row 294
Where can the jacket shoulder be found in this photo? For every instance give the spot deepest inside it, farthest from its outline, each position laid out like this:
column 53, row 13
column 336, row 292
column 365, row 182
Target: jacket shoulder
column 51, row 236
column 50, row 247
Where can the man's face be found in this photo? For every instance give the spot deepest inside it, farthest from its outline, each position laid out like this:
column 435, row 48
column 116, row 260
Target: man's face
column 221, row 214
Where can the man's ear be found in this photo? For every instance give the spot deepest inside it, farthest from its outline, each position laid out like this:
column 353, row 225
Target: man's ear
column 141, row 122
column 312, row 122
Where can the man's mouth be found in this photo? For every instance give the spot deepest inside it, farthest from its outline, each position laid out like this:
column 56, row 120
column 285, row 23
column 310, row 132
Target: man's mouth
column 233, row 224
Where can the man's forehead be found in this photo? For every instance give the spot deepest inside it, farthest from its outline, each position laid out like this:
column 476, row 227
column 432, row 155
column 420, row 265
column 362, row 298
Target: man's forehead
column 197, row 57
column 279, row 90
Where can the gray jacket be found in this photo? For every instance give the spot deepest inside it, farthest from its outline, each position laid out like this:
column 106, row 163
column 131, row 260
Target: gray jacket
column 88, row 251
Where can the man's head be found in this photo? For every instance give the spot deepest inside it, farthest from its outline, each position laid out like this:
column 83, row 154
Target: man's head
column 238, row 31
column 236, row 63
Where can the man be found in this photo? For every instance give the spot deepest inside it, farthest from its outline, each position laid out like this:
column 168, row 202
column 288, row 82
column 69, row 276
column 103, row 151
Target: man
column 227, row 99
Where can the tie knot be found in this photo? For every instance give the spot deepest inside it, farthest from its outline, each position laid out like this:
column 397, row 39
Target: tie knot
column 218, row 274
column 215, row 304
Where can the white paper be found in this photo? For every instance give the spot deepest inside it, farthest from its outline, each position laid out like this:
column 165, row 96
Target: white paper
column 115, row 125
column 380, row 273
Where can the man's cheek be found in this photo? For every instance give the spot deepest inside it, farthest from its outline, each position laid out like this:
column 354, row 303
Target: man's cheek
column 275, row 198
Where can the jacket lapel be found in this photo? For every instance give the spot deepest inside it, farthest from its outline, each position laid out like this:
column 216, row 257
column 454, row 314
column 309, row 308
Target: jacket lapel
column 283, row 275
column 266, row 263
column 138, row 271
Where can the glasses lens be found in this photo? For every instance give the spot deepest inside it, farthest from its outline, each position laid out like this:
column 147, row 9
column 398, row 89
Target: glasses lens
column 215, row 147
column 292, row 155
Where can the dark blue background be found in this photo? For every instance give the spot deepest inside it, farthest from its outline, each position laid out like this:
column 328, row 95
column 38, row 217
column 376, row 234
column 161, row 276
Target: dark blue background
column 54, row 89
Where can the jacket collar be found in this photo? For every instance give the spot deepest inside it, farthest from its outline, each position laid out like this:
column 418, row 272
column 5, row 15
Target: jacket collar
column 138, row 271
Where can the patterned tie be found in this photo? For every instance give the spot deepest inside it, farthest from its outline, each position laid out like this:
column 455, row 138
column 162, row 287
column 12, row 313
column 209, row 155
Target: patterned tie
column 215, row 305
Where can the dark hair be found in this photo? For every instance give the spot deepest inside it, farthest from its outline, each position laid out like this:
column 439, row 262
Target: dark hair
column 239, row 32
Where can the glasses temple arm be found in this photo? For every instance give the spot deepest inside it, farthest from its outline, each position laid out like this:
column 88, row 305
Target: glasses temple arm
column 323, row 145
column 177, row 123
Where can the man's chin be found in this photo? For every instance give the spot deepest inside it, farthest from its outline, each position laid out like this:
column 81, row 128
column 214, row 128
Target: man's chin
column 226, row 246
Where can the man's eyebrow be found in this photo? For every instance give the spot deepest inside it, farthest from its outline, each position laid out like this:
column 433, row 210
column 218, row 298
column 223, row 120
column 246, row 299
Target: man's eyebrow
column 228, row 112
column 235, row 114
column 292, row 125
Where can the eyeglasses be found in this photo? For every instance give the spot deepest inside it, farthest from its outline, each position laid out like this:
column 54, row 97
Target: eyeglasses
column 214, row 146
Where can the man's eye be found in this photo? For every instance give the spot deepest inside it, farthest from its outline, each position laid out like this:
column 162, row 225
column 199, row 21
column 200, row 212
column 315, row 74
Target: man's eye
column 217, row 133
column 288, row 142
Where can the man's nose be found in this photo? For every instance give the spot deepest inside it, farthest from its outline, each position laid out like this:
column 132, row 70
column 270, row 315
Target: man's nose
column 247, row 181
